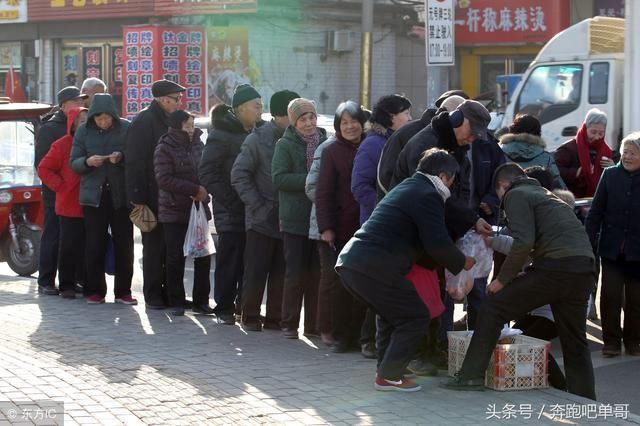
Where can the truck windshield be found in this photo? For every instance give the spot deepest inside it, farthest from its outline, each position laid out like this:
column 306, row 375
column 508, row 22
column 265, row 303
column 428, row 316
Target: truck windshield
column 551, row 91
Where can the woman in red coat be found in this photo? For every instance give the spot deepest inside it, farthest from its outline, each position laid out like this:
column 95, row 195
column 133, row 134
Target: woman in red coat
column 54, row 171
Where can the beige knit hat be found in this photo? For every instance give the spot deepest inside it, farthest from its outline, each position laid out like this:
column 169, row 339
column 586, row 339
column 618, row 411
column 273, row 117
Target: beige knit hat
column 298, row 107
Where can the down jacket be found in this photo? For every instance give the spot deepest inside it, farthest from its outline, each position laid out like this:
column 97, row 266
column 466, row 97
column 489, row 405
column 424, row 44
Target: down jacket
column 55, row 172
column 91, row 140
column 175, row 163
column 310, row 186
column 530, row 150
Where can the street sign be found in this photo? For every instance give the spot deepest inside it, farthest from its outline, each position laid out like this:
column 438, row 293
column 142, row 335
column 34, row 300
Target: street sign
column 439, row 32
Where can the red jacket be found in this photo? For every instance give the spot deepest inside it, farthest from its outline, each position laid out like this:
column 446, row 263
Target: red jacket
column 54, row 171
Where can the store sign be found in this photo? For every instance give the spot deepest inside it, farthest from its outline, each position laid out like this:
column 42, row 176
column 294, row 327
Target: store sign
column 92, row 62
column 614, row 8
column 228, row 56
column 163, row 52
column 439, row 32
column 516, row 21
column 50, row 10
column 12, row 11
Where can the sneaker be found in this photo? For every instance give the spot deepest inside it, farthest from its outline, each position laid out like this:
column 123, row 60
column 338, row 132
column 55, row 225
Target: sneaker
column 290, row 333
column 68, row 294
column 95, row 299
column 227, row 319
column 461, row 384
column 49, row 290
column 368, row 350
column 202, row 309
column 422, row 367
column 402, row 385
column 408, row 374
column 609, row 351
column 126, row 300
column 78, row 288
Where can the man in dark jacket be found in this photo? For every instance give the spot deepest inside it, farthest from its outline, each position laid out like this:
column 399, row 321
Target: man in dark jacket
column 406, row 227
column 142, row 138
column 561, row 274
column 230, row 127
column 263, row 254
column 52, row 129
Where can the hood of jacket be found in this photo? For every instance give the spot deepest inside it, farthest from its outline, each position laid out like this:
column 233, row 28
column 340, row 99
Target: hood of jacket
column 522, row 146
column 103, row 103
column 447, row 137
column 521, row 181
column 380, row 130
column 71, row 118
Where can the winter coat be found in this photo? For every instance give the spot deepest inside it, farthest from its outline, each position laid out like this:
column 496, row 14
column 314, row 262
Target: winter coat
column 55, row 172
column 365, row 170
column 336, row 208
column 91, row 140
column 612, row 222
column 530, row 150
column 175, row 163
column 393, row 147
column 50, row 131
column 311, row 184
column 143, row 135
column 289, row 174
column 407, row 227
column 543, row 227
column 251, row 179
column 567, row 161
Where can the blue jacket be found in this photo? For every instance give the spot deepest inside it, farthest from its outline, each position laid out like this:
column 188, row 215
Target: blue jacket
column 530, row 150
column 365, row 170
column 486, row 156
column 612, row 221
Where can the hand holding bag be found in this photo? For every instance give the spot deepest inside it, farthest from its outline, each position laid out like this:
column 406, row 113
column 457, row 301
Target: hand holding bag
column 198, row 241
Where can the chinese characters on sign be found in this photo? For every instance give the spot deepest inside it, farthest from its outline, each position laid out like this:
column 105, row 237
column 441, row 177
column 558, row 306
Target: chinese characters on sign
column 92, row 61
column 488, row 21
column 173, row 53
column 12, row 11
column 614, row 8
column 439, row 34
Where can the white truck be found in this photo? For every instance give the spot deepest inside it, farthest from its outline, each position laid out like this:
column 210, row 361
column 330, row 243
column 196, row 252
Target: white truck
column 578, row 69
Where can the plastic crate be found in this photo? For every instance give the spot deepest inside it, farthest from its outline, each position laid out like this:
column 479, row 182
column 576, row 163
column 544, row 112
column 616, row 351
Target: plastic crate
column 520, row 364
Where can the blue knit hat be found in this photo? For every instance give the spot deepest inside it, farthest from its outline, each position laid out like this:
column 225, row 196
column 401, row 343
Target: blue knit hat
column 244, row 93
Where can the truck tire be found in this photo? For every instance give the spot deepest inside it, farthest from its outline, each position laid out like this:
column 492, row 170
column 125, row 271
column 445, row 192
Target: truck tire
column 23, row 260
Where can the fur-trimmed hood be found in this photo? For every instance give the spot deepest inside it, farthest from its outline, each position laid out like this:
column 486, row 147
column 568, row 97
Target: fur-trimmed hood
column 522, row 137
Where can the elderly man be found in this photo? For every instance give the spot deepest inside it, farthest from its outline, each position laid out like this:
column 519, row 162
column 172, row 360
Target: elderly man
column 561, row 274
column 90, row 87
column 263, row 254
column 142, row 138
column 230, row 127
column 52, row 129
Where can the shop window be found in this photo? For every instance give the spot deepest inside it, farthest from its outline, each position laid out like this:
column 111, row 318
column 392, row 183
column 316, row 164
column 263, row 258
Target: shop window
column 599, row 83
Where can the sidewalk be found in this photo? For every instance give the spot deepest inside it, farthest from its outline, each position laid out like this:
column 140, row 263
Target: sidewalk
column 116, row 364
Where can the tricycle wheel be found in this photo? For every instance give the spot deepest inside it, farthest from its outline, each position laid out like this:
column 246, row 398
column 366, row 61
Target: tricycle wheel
column 23, row 259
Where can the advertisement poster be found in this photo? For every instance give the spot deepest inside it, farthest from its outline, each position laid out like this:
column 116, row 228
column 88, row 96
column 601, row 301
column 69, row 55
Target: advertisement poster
column 175, row 53
column 228, row 49
column 70, row 67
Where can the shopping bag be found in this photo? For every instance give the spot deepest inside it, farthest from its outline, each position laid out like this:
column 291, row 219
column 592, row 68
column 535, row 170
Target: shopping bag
column 198, row 241
column 471, row 244
column 110, row 257
column 428, row 287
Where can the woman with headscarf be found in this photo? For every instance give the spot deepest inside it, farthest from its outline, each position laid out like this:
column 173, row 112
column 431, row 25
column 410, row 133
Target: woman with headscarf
column 582, row 159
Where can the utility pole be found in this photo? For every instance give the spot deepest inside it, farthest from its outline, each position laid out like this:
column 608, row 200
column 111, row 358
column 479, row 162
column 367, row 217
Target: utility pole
column 366, row 53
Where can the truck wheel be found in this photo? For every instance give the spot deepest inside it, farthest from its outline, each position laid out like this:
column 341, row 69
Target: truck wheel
column 23, row 260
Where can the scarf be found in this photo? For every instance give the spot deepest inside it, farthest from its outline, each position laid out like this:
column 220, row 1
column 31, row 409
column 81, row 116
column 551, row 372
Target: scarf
column 602, row 150
column 311, row 143
column 440, row 187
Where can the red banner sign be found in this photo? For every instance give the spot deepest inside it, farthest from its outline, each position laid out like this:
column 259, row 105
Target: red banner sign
column 156, row 52
column 515, row 21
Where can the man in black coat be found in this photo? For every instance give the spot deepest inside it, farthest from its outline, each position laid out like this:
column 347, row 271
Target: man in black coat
column 143, row 135
column 406, row 227
column 230, row 127
column 52, row 130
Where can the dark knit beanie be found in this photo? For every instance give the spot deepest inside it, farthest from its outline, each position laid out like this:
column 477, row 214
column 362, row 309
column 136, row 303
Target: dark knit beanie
column 244, row 93
column 177, row 118
column 280, row 101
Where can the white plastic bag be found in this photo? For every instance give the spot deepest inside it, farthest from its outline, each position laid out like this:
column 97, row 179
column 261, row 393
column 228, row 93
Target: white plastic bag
column 472, row 244
column 198, row 241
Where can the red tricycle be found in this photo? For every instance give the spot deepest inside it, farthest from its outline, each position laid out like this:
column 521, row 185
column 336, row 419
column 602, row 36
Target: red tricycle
column 21, row 211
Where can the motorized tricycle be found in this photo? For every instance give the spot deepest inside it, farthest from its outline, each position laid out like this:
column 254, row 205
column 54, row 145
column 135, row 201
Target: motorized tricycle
column 21, row 210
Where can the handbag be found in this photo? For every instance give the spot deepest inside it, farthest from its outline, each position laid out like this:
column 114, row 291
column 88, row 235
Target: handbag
column 428, row 287
column 142, row 217
column 198, row 241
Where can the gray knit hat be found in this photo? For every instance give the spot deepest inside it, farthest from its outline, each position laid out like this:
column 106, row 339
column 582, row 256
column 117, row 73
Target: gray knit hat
column 298, row 107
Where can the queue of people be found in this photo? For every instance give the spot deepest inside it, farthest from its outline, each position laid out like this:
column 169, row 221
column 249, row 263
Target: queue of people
column 338, row 225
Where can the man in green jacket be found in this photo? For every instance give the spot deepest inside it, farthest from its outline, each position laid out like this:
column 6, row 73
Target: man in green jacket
column 562, row 275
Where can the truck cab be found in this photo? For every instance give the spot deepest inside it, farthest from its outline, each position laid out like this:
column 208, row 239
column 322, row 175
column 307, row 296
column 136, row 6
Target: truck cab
column 578, row 69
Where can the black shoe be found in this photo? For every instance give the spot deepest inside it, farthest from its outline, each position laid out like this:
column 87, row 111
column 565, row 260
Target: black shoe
column 79, row 288
column 609, row 351
column 460, row 384
column 154, row 306
column 271, row 325
column 632, row 349
column 368, row 350
column 188, row 304
column 227, row 319
column 68, row 294
column 339, row 347
column 252, row 326
column 311, row 333
column 290, row 333
column 178, row 312
column 422, row 367
column 202, row 309
column 49, row 290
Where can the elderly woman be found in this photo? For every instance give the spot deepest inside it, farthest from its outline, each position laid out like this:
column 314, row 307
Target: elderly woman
column 175, row 163
column 524, row 145
column 582, row 159
column 614, row 231
column 291, row 162
column 96, row 155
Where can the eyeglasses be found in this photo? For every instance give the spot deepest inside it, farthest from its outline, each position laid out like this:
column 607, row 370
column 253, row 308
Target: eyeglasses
column 177, row 99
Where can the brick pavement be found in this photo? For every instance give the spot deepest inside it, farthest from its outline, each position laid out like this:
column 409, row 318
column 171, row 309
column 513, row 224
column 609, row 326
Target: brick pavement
column 115, row 364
